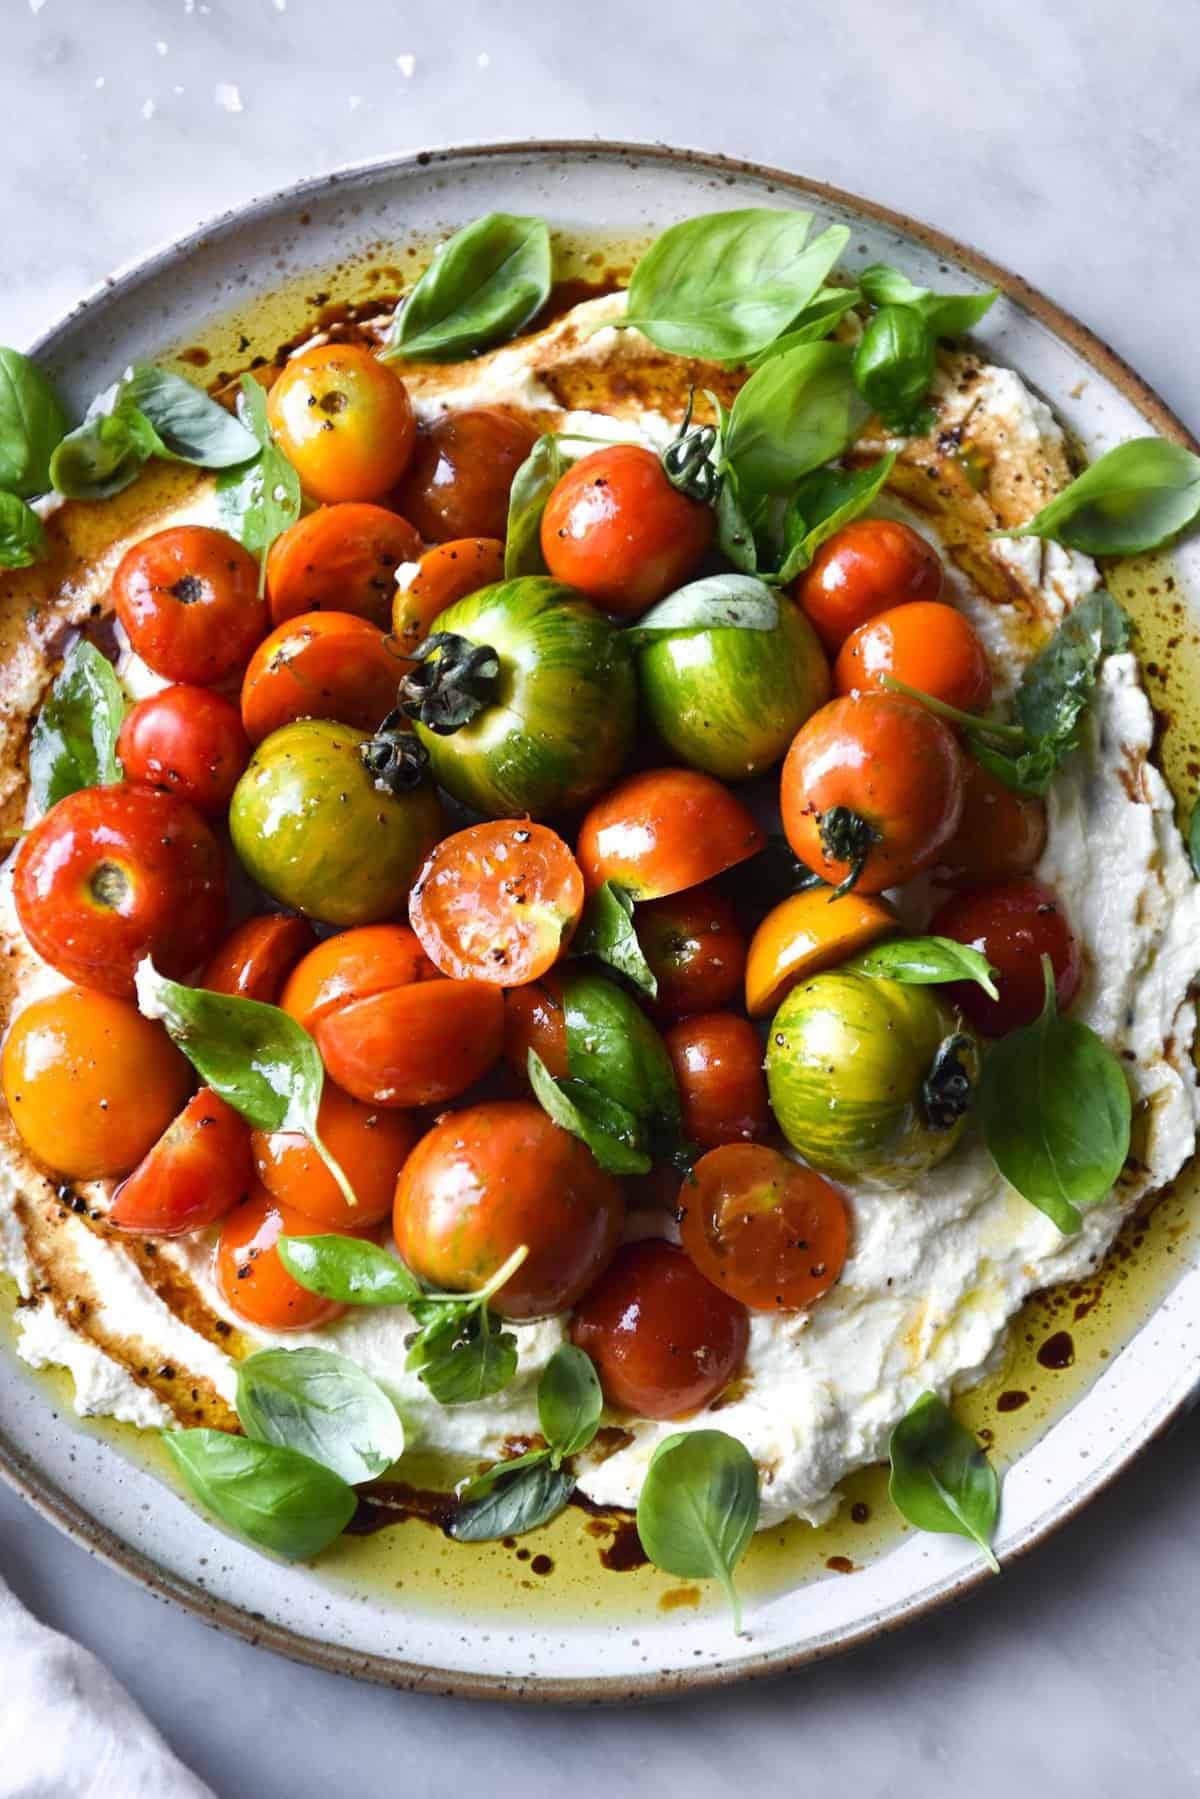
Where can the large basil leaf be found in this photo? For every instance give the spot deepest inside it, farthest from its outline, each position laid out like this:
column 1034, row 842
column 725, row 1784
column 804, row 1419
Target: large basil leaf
column 940, row 1479
column 483, row 284
column 257, row 501
column 348, row 1269
column 714, row 603
column 606, row 931
column 22, row 534
column 698, row 1508
column 610, row 1130
column 797, row 411
column 323, row 1405
column 189, row 426
column 825, row 501
column 32, row 425
column 533, row 483
column 925, row 962
column 818, row 319
column 518, row 1498
column 570, row 1402
column 276, row 1497
column 947, row 315
column 1135, row 498
column 74, row 741
column 893, row 366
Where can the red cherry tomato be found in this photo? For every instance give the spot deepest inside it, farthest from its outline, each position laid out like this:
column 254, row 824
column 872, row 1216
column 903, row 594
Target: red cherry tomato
column 930, row 646
column 188, row 741
column 254, row 1282
column 1001, row 833
column 865, row 568
column 353, row 965
column 369, row 1145
column 695, row 949
column 340, row 558
column 188, row 599
column 718, row 1061
column 462, row 469
column 534, row 1019
column 323, row 665
column 497, row 902
column 199, row 1168
column 665, row 1341
column 658, row 832
column 257, row 956
column 762, row 1228
column 616, row 530
column 448, row 572
column 112, row 874
column 1014, row 924
column 344, row 421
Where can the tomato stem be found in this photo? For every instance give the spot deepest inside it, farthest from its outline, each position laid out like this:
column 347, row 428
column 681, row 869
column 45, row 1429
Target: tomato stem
column 947, row 1089
column 846, row 836
column 687, row 460
column 395, row 760
column 977, row 727
column 335, row 1169
column 452, row 679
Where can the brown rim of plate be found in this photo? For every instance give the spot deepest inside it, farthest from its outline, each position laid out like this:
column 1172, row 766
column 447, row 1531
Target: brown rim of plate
column 72, row 1519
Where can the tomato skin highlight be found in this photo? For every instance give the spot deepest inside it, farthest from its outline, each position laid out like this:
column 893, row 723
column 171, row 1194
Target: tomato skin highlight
column 1000, row 834
column 661, row 831
column 534, row 1020
column 664, row 1340
column 448, row 572
column 353, row 965
column 199, row 1168
column 695, row 949
column 807, row 933
column 370, row 1146
column 1014, row 924
column 461, row 473
column 344, row 421
column 340, row 558
column 253, row 1281
column 497, row 902
column 188, row 741
column 485, row 1181
column 189, row 601
column 718, row 1062
column 764, row 1229
column 321, row 665
column 257, row 957
column 419, row 1045
column 867, row 567
column 932, row 647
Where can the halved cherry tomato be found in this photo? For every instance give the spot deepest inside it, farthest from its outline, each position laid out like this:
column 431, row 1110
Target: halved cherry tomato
column 665, row 1341
column 340, row 558
column 257, row 956
column 718, row 1062
column 112, row 874
column 872, row 789
column 695, row 949
column 254, row 1282
column 448, row 572
column 1014, row 924
column 189, row 601
column 414, row 1046
column 354, row 965
column 461, row 472
column 188, row 741
column 930, row 646
column 534, row 1019
column 615, row 529
column 497, row 902
column 763, row 1228
column 344, row 421
column 489, row 1179
column 199, row 1168
column 324, row 665
column 658, row 832
column 370, row 1146
column 91, row 1085
column 1000, row 834
column 865, row 568
column 806, row 933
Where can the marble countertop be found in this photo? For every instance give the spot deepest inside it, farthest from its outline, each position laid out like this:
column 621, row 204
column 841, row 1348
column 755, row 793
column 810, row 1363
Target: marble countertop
column 1065, row 143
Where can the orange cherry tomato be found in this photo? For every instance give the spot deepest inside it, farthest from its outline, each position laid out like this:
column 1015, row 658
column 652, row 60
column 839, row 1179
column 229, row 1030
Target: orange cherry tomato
column 257, row 956
column 872, row 789
column 485, row 1181
column 695, row 949
column 534, row 1019
column 1014, row 924
column 369, row 1145
column 664, row 1340
column 1001, row 833
column 865, row 568
column 353, row 965
column 340, row 558
column 189, row 601
column 763, row 1228
column 112, row 874
column 616, row 530
column 344, row 421
column 199, row 1168
column 254, row 1282
column 188, row 741
column 448, row 572
column 91, row 1085
column 928, row 645
column 718, row 1062
column 806, row 933
column 462, row 470
column 324, row 665
column 497, row 902
column 418, row 1045
column 668, row 828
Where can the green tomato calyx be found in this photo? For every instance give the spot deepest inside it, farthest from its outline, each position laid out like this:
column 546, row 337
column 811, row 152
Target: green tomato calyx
column 687, row 461
column 453, row 680
column 947, row 1089
column 846, row 836
column 395, row 760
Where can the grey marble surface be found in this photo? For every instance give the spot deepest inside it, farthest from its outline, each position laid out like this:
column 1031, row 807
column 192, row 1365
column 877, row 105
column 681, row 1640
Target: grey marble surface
column 1061, row 136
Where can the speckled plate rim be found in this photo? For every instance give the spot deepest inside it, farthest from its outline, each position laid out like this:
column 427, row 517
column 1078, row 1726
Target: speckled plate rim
column 22, row 1473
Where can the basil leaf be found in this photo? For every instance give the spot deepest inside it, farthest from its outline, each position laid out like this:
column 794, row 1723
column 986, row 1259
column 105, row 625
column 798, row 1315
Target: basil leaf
column 105, row 454
column 570, row 1402
column 323, row 1405
column 947, row 315
column 259, row 500
column 818, row 319
column 348, row 1269
column 533, row 483
column 32, row 424
column 1058, row 685
column 698, row 1508
column 485, row 1483
column 517, row 1501
column 925, row 962
column 825, row 501
column 714, row 603
column 1193, row 839
column 74, row 740
column 798, row 411
column 1055, row 1110
column 735, row 533
column 606, row 931
column 614, row 1049
column 609, row 1129
column 1135, row 498
column 276, row 1497
column 893, row 365
column 22, row 534
column 940, row 1479
column 465, row 1359
column 188, row 425
column 483, row 284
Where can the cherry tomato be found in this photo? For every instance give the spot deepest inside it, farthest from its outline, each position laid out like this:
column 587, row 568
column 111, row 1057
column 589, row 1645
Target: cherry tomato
column 257, row 956
column 806, row 933
column 497, row 902
column 91, row 1085
column 695, row 949
column 369, row 1145
column 865, row 568
column 112, row 874
column 665, row 1341
column 254, row 1282
column 461, row 473
column 197, row 1170
column 930, row 646
column 762, row 1228
column 340, row 559
column 534, row 1019
column 872, row 789
column 188, row 599
column 658, row 832
column 485, row 1181
column 323, row 665
column 615, row 529
column 354, row 965
column 344, row 421
column 1001, row 833
column 447, row 573
column 1014, row 924
column 188, row 741
column 718, row 1062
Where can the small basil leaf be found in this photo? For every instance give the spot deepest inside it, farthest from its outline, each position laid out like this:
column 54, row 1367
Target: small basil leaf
column 940, row 1479
column 606, row 931
column 613, row 1048
column 1058, row 685
column 468, row 1360
column 825, row 501
column 570, row 1402
column 798, row 411
column 714, row 603
column 32, row 424
column 698, row 1507
column 530, row 1495
column 735, row 533
column 893, row 365
column 483, row 284
column 276, row 1497
column 1193, row 839
column 22, row 534
column 533, row 483
column 348, row 1269
column 947, row 315
column 925, row 962
column 485, row 1483
column 105, row 454
column 74, row 741
column 258, row 500
column 609, row 1129
column 818, row 319
column 188, row 425
column 1135, row 498
column 323, row 1405
column 1055, row 1110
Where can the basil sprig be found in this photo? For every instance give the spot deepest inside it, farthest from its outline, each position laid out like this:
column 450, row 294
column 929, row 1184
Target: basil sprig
column 607, row 933
column 482, row 286
column 1056, row 1113
column 32, row 425
column 74, row 740
column 926, row 962
column 940, row 1479
column 150, row 412
column 947, row 315
column 22, row 534
column 894, row 362
column 279, row 1499
column 323, row 1405
column 257, row 502
column 1134, row 498
column 714, row 603
column 698, row 1508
